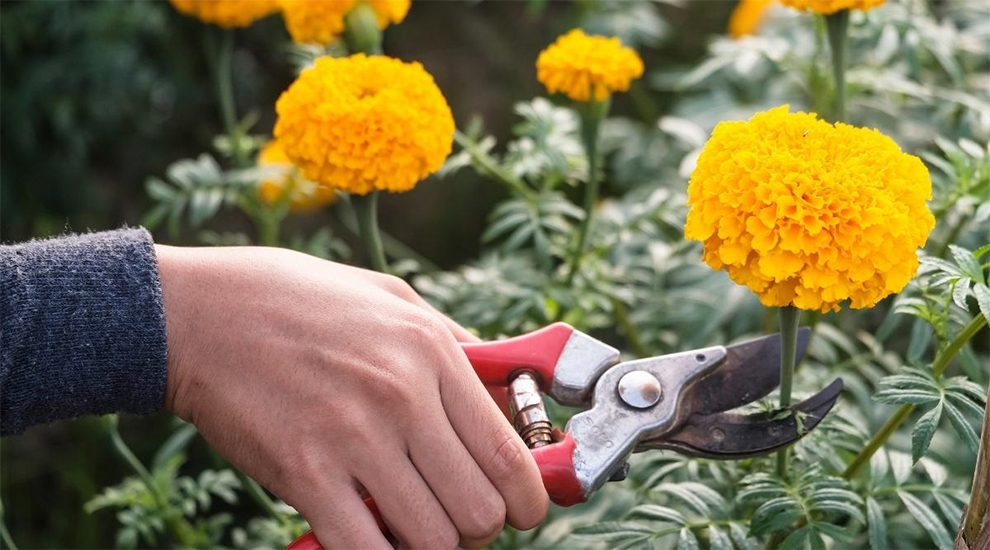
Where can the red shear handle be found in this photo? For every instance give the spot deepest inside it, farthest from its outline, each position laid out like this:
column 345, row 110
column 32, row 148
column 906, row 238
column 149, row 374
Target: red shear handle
column 538, row 351
column 556, row 464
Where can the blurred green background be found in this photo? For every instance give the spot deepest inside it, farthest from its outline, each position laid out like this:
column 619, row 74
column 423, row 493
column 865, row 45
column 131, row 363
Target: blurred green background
column 97, row 96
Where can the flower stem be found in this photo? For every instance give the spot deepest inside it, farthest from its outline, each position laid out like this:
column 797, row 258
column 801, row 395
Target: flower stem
column 789, row 318
column 591, row 114
column 366, row 210
column 361, row 32
column 225, row 94
column 837, row 25
column 942, row 360
column 8, row 541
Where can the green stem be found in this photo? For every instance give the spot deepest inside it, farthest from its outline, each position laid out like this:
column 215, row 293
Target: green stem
column 225, row 93
column 361, row 32
column 942, row 360
column 591, row 117
column 630, row 330
column 268, row 228
column 837, row 26
column 789, row 318
column 8, row 541
column 182, row 530
column 261, row 497
column 490, row 166
column 366, row 210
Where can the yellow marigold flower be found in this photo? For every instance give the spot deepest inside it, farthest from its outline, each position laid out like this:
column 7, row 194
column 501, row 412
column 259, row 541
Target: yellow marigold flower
column 363, row 123
column 747, row 17
column 227, row 13
column 322, row 21
column 304, row 195
column 583, row 66
column 828, row 7
column 809, row 214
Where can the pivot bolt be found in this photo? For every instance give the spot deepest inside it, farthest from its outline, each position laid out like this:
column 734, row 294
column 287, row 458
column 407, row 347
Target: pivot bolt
column 640, row 389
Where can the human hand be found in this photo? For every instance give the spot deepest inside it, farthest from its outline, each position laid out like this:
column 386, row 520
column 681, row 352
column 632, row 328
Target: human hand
column 318, row 379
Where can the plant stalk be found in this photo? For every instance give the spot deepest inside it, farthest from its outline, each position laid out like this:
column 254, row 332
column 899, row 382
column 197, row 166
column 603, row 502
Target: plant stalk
column 789, row 318
column 942, row 360
column 225, row 94
column 366, row 210
column 975, row 516
column 591, row 114
column 837, row 26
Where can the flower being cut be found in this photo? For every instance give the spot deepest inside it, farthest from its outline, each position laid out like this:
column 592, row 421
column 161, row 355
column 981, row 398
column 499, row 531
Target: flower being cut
column 809, row 214
column 828, row 7
column 304, row 195
column 322, row 21
column 363, row 123
column 587, row 67
column 226, row 13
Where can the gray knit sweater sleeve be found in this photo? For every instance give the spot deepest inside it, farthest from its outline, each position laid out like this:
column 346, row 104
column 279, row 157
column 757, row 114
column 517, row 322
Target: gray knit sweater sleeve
column 82, row 328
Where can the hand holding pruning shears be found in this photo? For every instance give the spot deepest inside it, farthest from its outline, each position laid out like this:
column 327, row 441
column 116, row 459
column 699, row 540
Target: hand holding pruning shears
column 678, row 401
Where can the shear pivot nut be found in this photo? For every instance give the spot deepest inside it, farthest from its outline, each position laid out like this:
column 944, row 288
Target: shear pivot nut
column 640, row 389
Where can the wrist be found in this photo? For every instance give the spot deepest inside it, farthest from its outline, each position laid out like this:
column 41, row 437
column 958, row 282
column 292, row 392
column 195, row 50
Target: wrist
column 171, row 269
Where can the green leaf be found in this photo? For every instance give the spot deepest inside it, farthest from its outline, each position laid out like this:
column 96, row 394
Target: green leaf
column 796, row 540
column 967, row 263
column 686, row 540
column 175, row 444
column 924, row 430
column 950, row 510
column 927, row 518
column 982, row 293
column 614, row 531
column 654, row 512
column 718, row 540
column 877, row 525
column 742, row 538
column 962, row 426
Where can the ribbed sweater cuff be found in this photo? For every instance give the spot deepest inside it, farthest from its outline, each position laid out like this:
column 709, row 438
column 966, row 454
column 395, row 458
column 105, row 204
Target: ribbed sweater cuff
column 82, row 327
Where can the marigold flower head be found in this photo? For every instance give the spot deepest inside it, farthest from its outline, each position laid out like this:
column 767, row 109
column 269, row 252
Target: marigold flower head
column 322, row 21
column 828, row 7
column 363, row 123
column 585, row 67
column 304, row 195
column 809, row 214
column 227, row 13
column 748, row 16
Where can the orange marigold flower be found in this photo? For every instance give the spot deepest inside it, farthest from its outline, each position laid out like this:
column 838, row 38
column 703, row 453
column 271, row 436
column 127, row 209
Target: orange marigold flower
column 585, row 67
column 363, row 123
column 748, row 16
column 322, row 21
column 227, row 13
column 304, row 195
column 828, row 7
column 809, row 214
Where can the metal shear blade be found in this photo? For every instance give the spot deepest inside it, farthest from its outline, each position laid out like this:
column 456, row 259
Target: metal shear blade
column 730, row 436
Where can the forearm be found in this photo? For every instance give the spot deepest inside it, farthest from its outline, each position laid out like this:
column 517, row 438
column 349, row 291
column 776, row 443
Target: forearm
column 82, row 328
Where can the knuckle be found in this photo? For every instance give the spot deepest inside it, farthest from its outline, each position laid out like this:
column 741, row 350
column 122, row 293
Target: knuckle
column 484, row 521
column 508, row 458
column 396, row 286
column 444, row 537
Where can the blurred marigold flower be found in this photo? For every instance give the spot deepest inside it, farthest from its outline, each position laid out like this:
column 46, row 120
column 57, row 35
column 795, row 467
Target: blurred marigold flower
column 828, row 7
column 304, row 195
column 748, row 16
column 227, row 13
column 585, row 67
column 364, row 123
column 322, row 21
column 809, row 214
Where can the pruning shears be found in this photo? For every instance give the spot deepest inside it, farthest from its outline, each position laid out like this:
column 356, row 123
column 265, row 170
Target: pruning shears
column 678, row 401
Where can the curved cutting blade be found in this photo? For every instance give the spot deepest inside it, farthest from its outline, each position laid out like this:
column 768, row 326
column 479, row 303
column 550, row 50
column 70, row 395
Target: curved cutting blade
column 729, row 436
column 751, row 371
